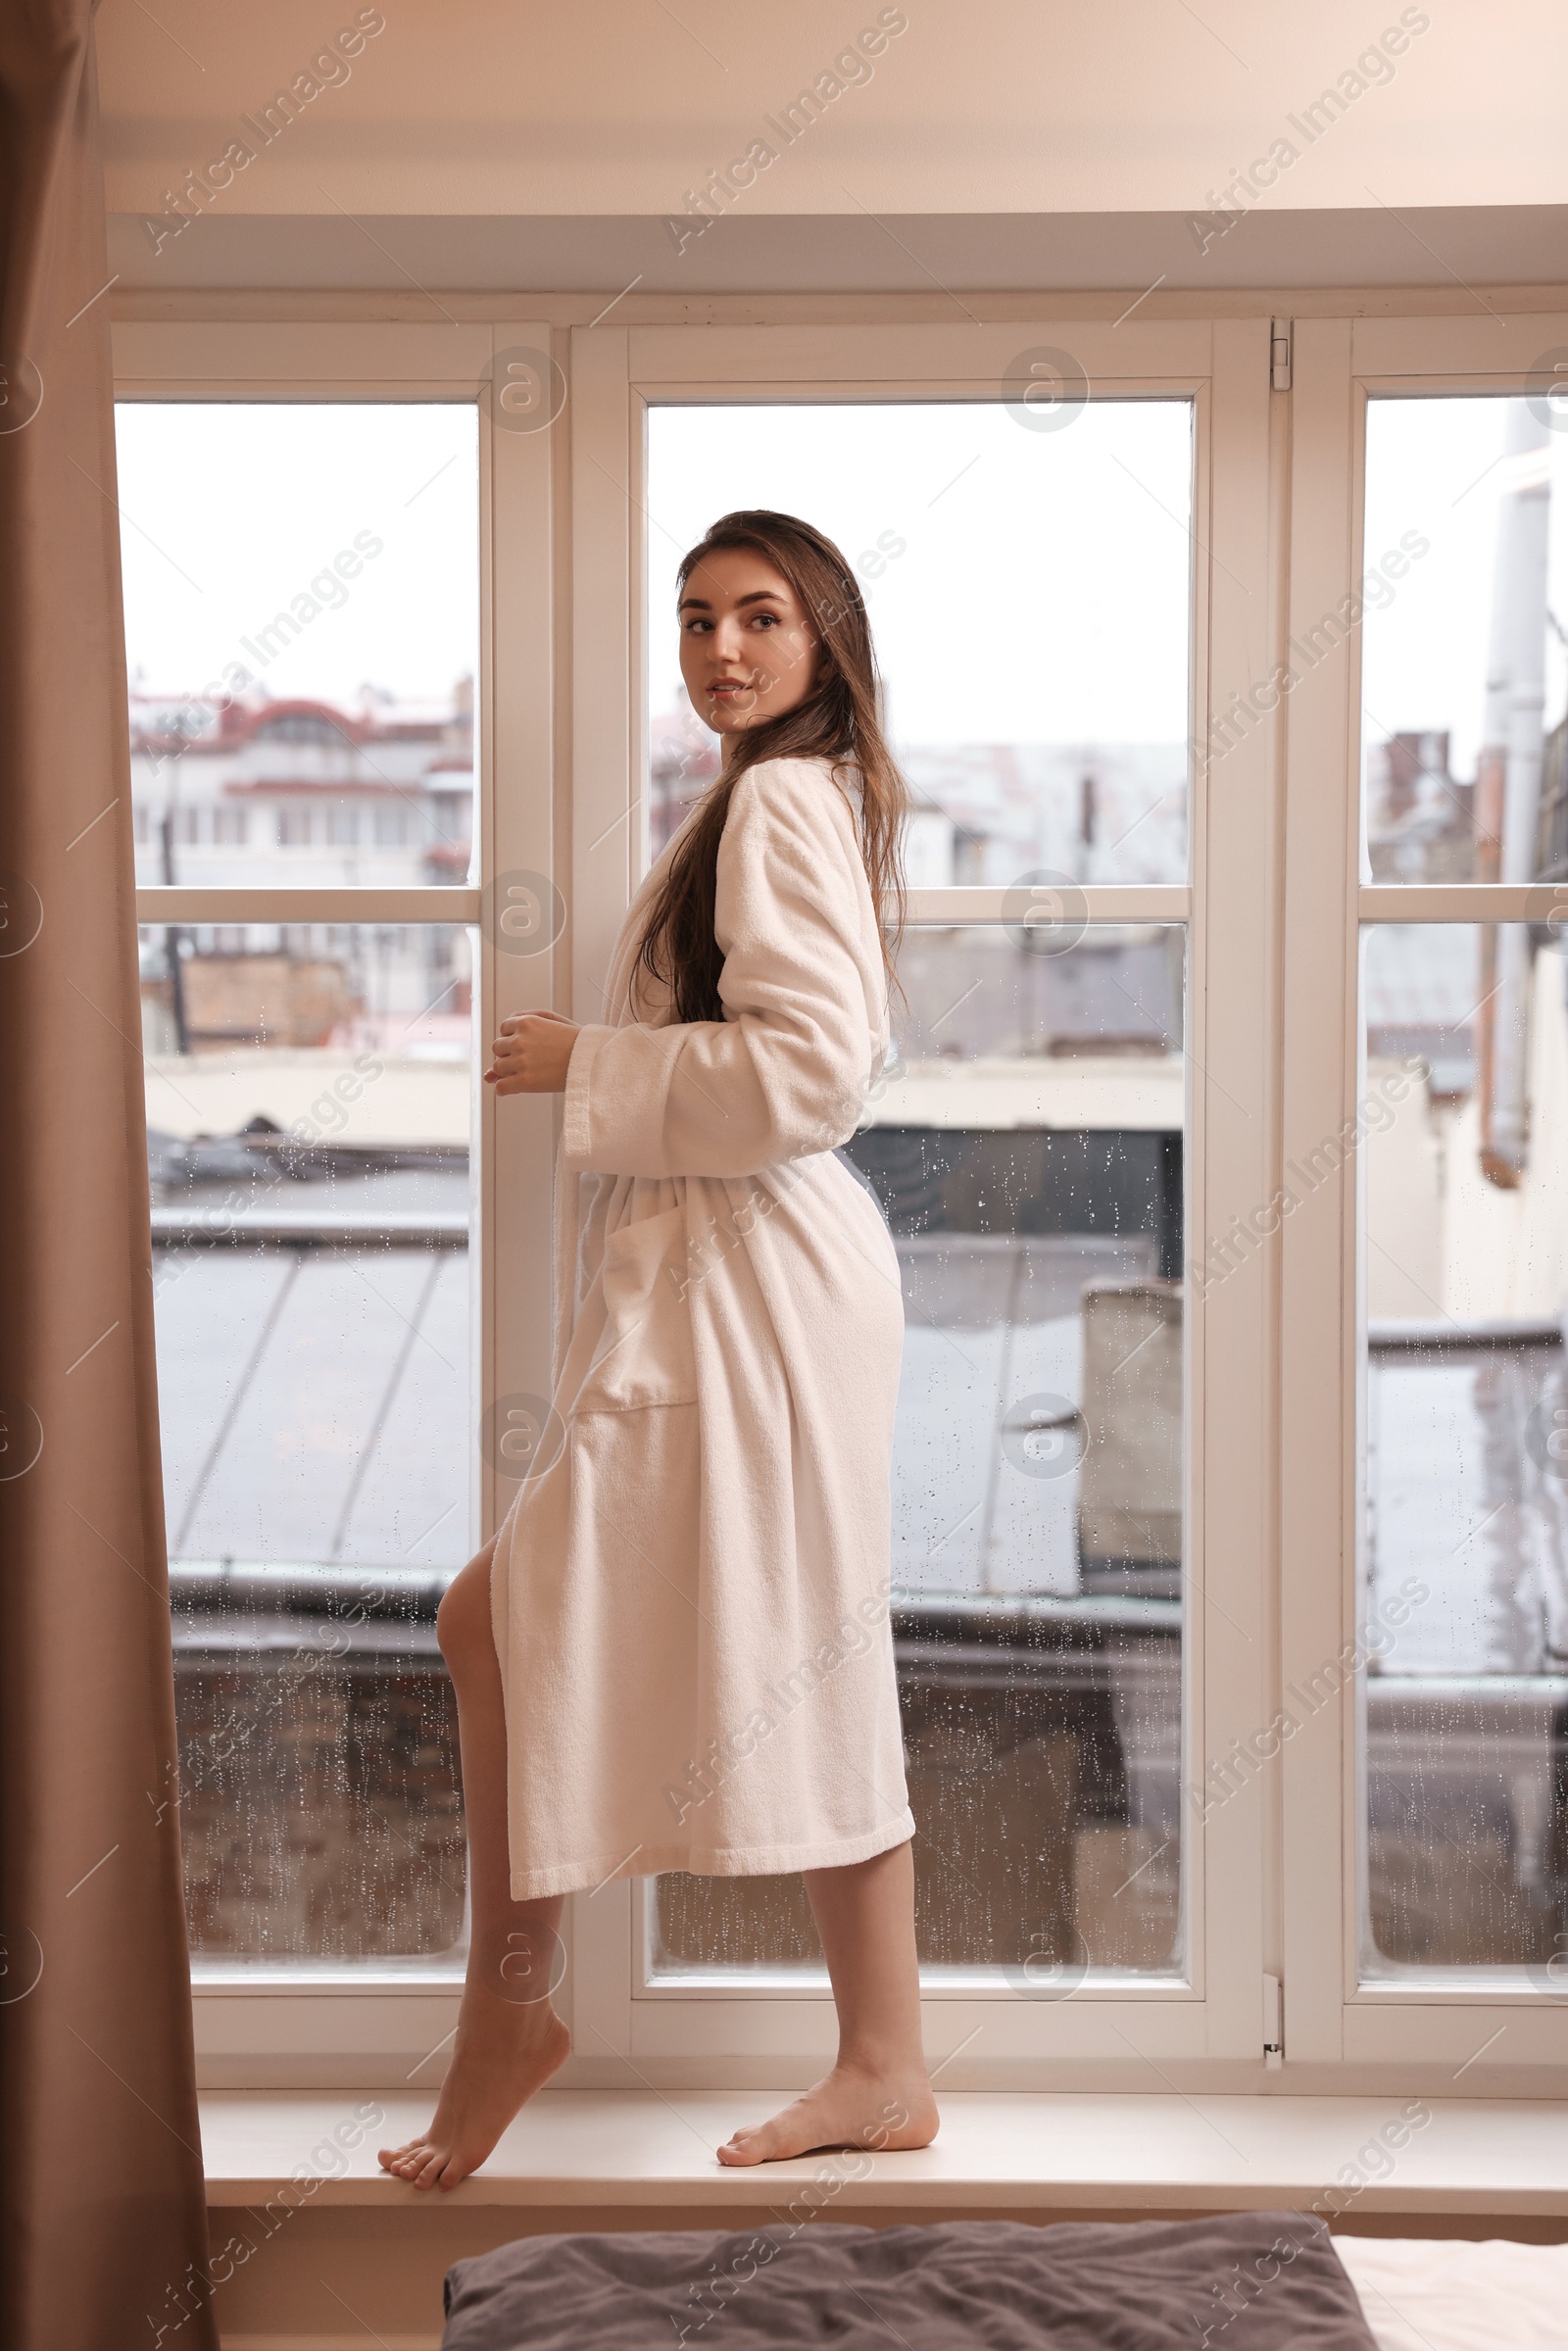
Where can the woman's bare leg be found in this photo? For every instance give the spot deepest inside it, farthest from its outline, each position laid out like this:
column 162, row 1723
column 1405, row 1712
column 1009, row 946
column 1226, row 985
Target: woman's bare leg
column 878, row 2094
column 510, row 2039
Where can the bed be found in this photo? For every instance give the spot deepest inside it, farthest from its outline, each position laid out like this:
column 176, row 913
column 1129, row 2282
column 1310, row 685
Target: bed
column 1446, row 2294
column 1258, row 2281
column 1251, row 2282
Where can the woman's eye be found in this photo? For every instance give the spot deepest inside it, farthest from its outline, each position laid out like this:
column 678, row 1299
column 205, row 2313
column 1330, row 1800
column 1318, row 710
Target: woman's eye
column 767, row 619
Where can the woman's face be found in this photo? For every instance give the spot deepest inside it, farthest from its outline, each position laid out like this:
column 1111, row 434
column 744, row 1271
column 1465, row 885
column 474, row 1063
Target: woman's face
column 748, row 653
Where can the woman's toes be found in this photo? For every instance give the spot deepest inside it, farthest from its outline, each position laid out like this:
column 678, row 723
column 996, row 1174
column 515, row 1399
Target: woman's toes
column 407, row 2162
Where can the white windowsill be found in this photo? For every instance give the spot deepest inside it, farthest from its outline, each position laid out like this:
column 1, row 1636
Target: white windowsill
column 577, row 2150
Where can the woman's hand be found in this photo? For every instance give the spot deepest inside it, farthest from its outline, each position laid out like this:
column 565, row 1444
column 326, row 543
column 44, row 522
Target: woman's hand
column 532, row 1053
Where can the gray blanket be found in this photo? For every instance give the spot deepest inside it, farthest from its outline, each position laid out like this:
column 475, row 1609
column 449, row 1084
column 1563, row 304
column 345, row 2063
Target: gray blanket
column 1249, row 2282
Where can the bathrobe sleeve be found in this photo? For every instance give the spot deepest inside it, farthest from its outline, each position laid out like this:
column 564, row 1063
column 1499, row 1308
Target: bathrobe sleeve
column 785, row 1072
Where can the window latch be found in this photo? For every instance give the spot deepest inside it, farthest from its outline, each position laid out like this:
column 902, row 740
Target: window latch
column 1279, row 354
column 1273, row 2024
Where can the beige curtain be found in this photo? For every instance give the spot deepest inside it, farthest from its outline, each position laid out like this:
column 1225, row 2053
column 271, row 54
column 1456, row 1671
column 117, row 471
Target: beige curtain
column 104, row 2221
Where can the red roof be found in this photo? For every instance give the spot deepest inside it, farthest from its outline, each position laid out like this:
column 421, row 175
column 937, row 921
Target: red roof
column 246, row 722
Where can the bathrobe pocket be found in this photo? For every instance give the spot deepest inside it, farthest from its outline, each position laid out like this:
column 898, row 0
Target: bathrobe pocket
column 645, row 1356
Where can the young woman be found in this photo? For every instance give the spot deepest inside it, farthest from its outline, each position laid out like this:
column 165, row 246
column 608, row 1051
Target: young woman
column 676, row 1653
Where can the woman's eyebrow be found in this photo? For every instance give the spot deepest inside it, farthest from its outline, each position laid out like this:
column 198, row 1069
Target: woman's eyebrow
column 756, row 596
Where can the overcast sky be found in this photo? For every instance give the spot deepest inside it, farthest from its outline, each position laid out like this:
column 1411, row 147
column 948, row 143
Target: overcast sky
column 230, row 509
column 1033, row 584
column 1433, row 467
column 1042, row 594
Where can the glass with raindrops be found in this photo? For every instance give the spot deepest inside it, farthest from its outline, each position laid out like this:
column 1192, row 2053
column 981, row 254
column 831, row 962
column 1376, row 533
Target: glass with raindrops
column 1464, row 1455
column 308, row 1113
column 1026, row 1148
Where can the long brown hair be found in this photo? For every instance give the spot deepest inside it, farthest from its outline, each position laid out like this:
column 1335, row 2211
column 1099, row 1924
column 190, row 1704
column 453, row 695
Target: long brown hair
column 837, row 721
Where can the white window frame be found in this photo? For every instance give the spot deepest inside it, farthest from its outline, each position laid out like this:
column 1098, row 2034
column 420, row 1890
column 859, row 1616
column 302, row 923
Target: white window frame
column 729, row 2032
column 1500, row 2024
column 1272, row 913
column 345, row 2025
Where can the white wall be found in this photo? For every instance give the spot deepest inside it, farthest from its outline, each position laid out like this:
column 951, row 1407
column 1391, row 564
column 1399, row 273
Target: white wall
column 1440, row 1239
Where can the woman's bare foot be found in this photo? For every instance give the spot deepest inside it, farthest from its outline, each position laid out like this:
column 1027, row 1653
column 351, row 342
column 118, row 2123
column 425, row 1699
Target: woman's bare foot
column 850, row 2107
column 504, row 2052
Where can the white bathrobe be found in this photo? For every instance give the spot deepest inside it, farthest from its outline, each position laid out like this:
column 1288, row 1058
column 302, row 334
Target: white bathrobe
column 691, row 1589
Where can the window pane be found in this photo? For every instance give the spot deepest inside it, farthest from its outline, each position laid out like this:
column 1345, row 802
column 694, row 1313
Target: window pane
column 301, row 585
column 1027, row 1153
column 308, row 1143
column 1465, row 672
column 1007, row 570
column 1465, row 1548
